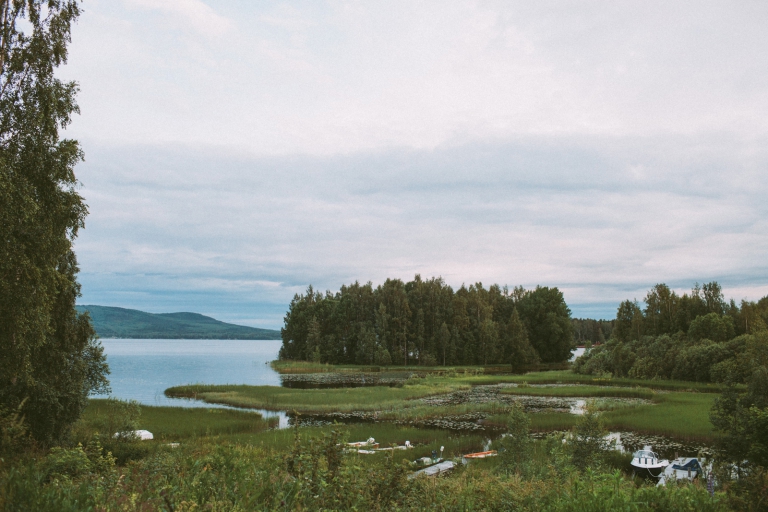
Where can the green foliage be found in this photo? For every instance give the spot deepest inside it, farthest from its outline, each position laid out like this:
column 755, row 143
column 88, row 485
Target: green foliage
column 742, row 421
column 427, row 323
column 120, row 417
column 216, row 475
column 696, row 337
column 14, row 437
column 516, row 445
column 50, row 359
column 587, row 443
column 112, row 322
column 711, row 326
column 676, row 357
column 77, row 462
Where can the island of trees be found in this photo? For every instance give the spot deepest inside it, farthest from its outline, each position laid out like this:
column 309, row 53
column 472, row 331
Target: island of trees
column 427, row 323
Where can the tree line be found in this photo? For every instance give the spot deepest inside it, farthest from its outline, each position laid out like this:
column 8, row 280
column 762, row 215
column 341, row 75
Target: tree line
column 427, row 323
column 50, row 360
column 698, row 337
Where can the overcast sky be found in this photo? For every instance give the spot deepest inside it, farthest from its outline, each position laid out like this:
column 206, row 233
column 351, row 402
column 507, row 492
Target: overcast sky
column 237, row 151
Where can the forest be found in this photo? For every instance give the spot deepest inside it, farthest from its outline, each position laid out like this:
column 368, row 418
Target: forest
column 427, row 323
column 695, row 337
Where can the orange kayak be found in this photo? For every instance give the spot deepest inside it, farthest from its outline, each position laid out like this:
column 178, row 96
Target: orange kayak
column 481, row 455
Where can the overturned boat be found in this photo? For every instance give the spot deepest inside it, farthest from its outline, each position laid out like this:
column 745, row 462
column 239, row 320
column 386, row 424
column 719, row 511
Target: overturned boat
column 647, row 462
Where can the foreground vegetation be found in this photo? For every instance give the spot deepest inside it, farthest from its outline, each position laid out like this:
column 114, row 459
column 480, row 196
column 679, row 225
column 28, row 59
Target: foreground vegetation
column 237, row 468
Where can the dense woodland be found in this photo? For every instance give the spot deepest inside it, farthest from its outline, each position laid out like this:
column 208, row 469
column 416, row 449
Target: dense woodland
column 426, row 322
column 697, row 337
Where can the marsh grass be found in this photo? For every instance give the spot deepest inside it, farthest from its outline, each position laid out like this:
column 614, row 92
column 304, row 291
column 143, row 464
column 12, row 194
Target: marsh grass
column 372, row 398
column 583, row 391
column 174, row 423
column 679, row 409
column 568, row 377
column 309, row 367
column 676, row 414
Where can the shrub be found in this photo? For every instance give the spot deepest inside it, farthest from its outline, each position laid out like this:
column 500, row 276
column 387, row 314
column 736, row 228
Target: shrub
column 587, row 444
column 515, row 445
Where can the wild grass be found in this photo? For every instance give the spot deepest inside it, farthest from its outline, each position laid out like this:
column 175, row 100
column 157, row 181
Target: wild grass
column 676, row 414
column 681, row 411
column 583, row 391
column 175, row 423
column 373, row 398
column 284, row 367
column 568, row 377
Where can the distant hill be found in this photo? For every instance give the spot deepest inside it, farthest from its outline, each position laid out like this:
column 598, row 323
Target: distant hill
column 112, row 322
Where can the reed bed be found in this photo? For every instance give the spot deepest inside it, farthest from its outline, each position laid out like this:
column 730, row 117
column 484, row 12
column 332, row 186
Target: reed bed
column 371, row 398
column 584, row 391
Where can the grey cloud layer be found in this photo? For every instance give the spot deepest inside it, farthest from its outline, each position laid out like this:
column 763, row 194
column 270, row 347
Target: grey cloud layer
column 236, row 235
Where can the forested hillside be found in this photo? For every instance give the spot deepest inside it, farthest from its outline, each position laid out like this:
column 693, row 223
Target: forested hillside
column 426, row 322
column 697, row 336
column 111, row 322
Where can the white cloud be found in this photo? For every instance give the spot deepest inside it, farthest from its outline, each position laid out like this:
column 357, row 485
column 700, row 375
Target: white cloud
column 192, row 14
column 238, row 151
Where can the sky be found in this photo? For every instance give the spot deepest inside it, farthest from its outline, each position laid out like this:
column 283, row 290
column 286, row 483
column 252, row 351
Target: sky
column 238, row 151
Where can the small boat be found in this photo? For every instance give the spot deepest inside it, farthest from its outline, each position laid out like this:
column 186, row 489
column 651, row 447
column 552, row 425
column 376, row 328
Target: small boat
column 407, row 446
column 682, row 468
column 437, row 469
column 370, row 443
column 481, row 455
column 142, row 435
column 647, row 461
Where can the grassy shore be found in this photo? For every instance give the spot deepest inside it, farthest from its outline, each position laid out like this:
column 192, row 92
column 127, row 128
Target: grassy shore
column 175, row 423
column 373, row 398
column 678, row 409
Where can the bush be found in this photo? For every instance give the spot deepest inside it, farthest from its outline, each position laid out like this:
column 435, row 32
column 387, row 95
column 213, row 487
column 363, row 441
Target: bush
column 515, row 445
column 587, row 444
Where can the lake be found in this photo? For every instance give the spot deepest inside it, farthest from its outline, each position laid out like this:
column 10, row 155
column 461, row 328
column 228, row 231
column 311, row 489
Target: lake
column 142, row 369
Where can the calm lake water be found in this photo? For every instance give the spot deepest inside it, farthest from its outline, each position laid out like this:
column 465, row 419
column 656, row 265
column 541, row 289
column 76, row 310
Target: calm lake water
column 142, row 369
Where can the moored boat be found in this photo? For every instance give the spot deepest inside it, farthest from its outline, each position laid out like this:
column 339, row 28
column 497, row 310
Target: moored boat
column 682, row 468
column 646, row 461
column 370, row 443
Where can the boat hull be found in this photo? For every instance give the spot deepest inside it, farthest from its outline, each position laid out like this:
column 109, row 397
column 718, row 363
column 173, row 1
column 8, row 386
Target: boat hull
column 653, row 470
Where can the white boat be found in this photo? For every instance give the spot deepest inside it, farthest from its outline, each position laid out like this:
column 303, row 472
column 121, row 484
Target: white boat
column 646, row 461
column 682, row 468
column 437, row 469
column 407, row 446
column 143, row 435
column 370, row 443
